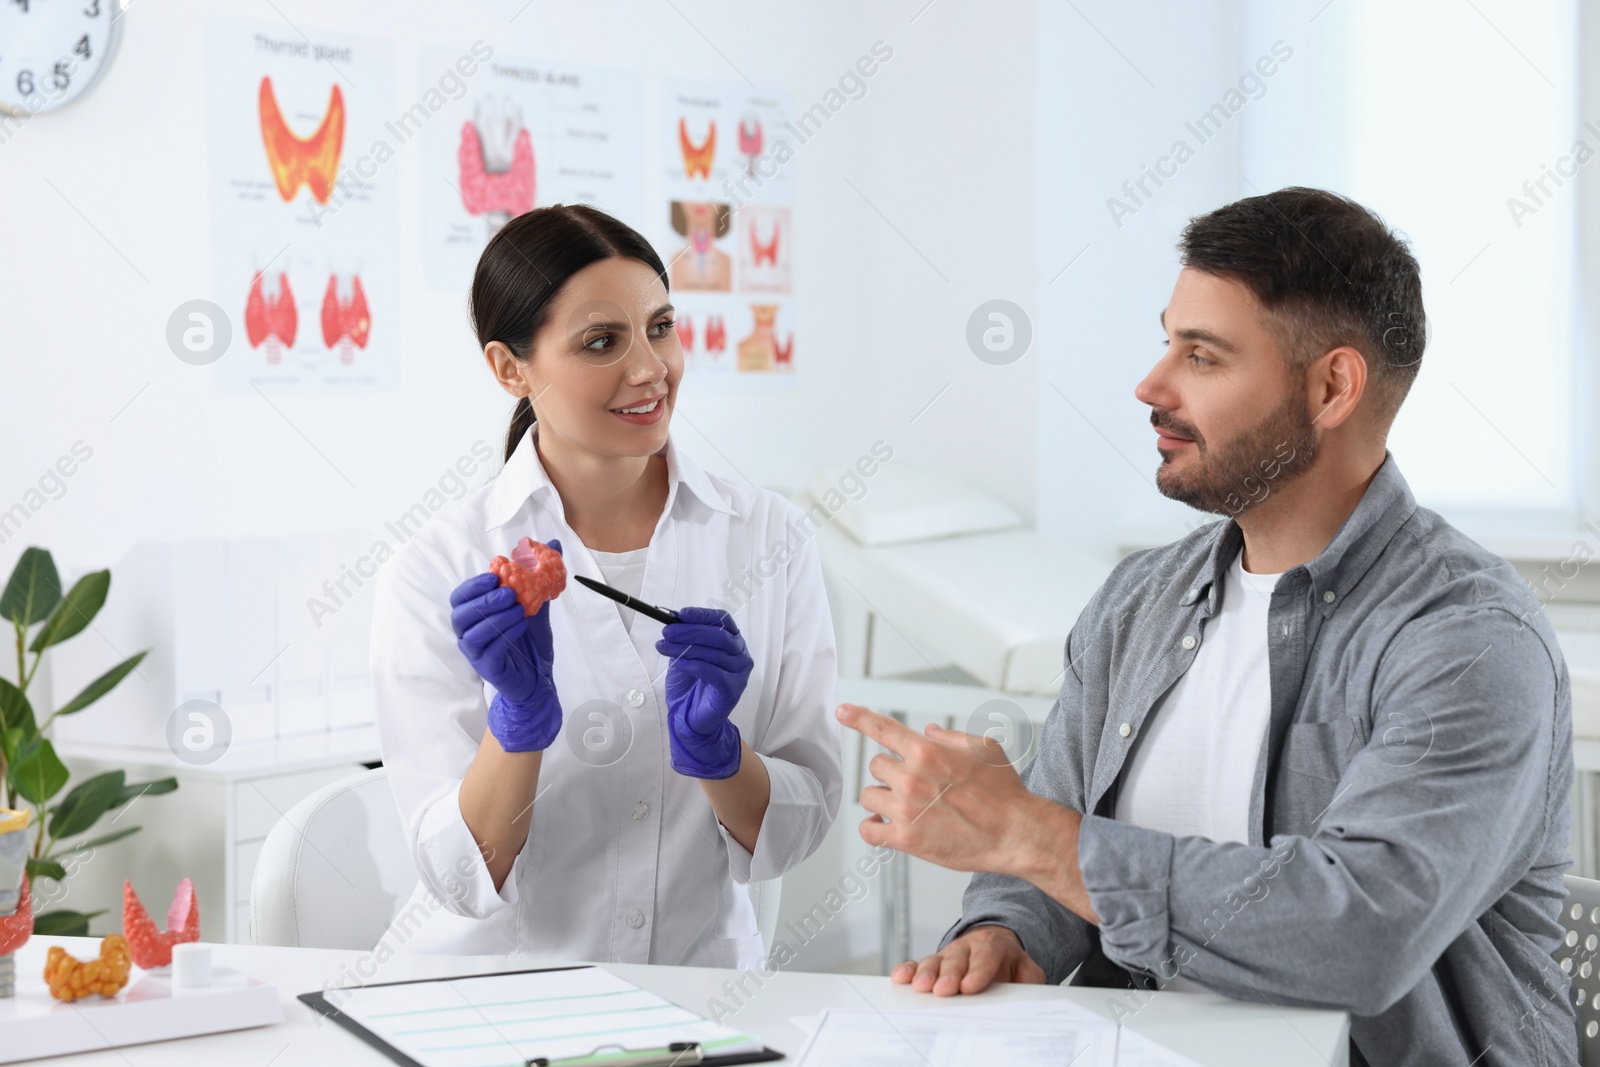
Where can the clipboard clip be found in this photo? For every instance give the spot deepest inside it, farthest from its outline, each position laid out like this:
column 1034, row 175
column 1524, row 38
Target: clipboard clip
column 677, row 1054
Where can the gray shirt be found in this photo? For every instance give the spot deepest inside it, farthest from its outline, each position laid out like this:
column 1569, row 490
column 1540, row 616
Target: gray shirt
column 1410, row 818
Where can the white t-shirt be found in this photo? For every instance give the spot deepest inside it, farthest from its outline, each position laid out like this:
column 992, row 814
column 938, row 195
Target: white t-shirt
column 1193, row 767
column 624, row 571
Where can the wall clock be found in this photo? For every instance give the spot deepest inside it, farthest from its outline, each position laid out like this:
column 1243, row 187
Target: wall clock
column 53, row 51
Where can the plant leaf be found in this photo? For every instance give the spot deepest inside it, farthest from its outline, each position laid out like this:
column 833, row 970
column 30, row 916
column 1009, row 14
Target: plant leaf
column 11, row 743
column 73, row 613
column 147, row 789
column 101, row 685
column 87, row 801
column 33, row 590
column 15, row 711
column 38, row 773
column 64, row 923
column 46, row 868
column 84, row 846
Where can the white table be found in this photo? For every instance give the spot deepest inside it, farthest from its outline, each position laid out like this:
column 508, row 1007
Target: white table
column 1209, row 1029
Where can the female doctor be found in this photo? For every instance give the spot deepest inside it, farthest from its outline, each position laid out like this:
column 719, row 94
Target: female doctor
column 586, row 783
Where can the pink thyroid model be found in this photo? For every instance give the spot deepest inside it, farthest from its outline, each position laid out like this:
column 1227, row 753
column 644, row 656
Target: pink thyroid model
column 152, row 947
column 535, row 571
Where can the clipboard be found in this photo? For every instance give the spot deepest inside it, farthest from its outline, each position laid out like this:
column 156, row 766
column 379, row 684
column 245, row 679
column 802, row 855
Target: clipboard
column 680, row 1054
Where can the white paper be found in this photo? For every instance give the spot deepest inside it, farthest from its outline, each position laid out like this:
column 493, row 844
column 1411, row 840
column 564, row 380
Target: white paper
column 523, row 133
column 1021, row 1035
column 476, row 1022
column 1136, row 1050
column 305, row 206
column 727, row 230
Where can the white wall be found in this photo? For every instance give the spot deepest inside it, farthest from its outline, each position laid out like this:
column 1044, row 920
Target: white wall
column 108, row 230
column 1121, row 96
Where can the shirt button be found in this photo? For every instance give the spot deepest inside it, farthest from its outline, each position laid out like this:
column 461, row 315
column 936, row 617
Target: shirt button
column 1125, row 729
column 635, row 698
column 640, row 810
column 1327, row 598
column 1188, row 641
column 634, row 918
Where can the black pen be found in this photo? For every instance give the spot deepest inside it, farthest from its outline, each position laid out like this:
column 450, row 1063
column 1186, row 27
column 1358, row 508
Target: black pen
column 648, row 610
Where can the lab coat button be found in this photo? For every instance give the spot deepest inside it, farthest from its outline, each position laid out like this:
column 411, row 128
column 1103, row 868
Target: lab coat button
column 640, row 810
column 635, row 698
column 1189, row 641
column 634, row 918
column 1125, row 729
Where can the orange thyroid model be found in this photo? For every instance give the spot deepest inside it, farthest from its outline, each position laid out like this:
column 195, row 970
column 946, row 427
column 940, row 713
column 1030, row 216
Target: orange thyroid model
column 535, row 571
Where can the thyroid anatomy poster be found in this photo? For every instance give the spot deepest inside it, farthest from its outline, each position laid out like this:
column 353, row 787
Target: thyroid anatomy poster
column 304, row 205
column 522, row 134
column 727, row 230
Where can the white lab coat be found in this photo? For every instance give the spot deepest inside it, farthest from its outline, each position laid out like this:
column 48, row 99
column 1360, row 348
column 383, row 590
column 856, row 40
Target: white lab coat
column 625, row 860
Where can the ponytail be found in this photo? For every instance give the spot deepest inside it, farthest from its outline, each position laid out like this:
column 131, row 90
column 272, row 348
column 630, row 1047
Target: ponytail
column 521, row 423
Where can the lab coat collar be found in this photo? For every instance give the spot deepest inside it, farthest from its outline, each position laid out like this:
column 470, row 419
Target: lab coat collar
column 1386, row 505
column 524, row 477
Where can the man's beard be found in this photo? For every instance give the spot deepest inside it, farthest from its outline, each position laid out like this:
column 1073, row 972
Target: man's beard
column 1243, row 473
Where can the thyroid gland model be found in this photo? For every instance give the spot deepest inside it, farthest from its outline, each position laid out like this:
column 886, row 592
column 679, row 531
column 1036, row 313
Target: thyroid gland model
column 270, row 318
column 760, row 351
column 346, row 323
column 311, row 161
column 697, row 158
column 16, row 904
column 496, row 160
column 152, row 947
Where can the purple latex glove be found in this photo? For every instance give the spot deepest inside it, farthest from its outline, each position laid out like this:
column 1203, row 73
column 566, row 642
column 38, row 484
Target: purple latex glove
column 513, row 652
column 710, row 666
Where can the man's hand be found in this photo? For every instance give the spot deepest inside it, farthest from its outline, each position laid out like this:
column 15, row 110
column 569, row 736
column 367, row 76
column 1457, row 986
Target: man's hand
column 970, row 963
column 954, row 799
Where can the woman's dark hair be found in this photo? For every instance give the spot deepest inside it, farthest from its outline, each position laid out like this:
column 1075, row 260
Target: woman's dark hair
column 526, row 265
column 1328, row 272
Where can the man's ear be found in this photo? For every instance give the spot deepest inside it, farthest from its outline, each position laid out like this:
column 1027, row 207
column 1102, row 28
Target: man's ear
column 1337, row 386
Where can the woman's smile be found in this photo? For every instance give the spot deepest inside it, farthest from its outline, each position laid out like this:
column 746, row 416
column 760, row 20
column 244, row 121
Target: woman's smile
column 647, row 413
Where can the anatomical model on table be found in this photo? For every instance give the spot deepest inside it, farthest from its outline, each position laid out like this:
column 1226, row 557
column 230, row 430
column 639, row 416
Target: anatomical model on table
column 16, row 907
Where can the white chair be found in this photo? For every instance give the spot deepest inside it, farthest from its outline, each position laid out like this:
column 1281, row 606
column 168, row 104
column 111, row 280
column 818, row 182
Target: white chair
column 335, row 871
column 1579, row 956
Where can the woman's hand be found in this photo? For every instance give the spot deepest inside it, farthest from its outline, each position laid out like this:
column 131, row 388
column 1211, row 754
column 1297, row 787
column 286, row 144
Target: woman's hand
column 709, row 669
column 513, row 652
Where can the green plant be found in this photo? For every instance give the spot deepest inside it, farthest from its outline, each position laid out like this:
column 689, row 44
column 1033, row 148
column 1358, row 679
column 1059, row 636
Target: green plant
column 29, row 765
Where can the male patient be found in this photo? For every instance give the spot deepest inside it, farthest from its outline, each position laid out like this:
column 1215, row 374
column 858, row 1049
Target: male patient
column 1315, row 754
